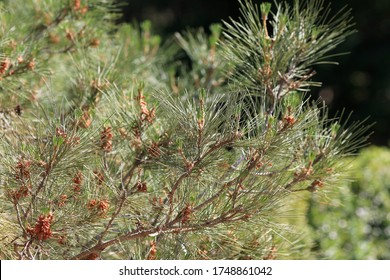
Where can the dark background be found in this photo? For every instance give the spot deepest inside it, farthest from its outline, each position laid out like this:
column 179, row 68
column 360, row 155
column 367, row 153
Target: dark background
column 361, row 83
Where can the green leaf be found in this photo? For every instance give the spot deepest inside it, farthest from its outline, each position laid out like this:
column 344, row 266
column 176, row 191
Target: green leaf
column 216, row 30
column 58, row 141
column 265, row 10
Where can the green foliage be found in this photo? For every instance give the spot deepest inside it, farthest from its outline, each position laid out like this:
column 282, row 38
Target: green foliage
column 301, row 37
column 207, row 64
column 112, row 148
column 354, row 221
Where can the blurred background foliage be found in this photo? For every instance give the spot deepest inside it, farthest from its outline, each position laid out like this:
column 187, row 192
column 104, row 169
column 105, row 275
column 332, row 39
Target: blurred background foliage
column 346, row 221
column 353, row 222
column 362, row 82
column 349, row 221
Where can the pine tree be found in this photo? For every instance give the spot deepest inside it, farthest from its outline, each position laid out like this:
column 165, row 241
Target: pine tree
column 111, row 147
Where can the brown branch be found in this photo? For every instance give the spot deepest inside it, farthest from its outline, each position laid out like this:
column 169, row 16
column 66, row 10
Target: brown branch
column 127, row 178
column 98, row 248
column 270, row 173
column 235, row 181
column 49, row 168
column 19, row 219
column 167, row 228
column 304, row 176
column 124, row 194
column 175, row 186
column 123, row 198
column 300, row 177
column 226, row 217
column 211, row 199
column 35, row 194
